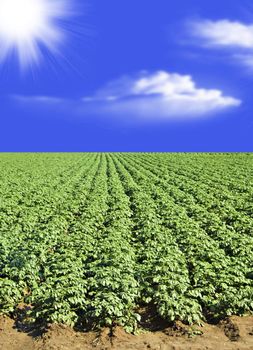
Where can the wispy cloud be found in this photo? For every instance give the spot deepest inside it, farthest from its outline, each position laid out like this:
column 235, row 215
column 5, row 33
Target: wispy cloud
column 38, row 99
column 160, row 95
column 144, row 96
column 235, row 37
column 223, row 33
column 245, row 59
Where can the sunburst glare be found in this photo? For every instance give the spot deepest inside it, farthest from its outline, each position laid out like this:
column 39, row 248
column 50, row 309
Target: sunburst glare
column 28, row 26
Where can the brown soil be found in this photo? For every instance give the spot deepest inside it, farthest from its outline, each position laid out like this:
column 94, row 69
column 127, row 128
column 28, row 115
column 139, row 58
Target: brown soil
column 234, row 333
column 11, row 339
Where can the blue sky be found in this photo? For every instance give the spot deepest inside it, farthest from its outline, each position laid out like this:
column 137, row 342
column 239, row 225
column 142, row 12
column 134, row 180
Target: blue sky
column 156, row 75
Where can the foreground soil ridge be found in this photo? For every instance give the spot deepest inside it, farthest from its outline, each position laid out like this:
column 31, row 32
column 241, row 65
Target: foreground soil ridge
column 234, row 333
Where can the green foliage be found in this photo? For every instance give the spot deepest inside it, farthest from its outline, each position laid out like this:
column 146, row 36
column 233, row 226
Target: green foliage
column 87, row 238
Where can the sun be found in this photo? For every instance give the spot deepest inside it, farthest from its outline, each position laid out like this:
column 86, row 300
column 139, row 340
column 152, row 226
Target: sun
column 28, row 26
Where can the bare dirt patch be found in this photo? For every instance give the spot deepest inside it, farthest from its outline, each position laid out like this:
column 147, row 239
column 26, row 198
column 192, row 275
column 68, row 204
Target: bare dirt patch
column 11, row 338
column 235, row 333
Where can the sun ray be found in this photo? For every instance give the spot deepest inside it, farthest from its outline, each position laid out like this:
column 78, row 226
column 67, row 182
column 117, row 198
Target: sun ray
column 28, row 25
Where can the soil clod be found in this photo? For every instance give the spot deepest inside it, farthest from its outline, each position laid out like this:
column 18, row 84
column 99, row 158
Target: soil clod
column 231, row 330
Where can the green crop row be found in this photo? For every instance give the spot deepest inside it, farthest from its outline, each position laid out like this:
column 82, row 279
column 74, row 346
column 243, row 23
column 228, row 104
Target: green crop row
column 92, row 239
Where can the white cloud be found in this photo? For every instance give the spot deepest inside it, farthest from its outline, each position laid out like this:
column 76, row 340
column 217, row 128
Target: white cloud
column 234, row 37
column 153, row 96
column 224, row 33
column 160, row 95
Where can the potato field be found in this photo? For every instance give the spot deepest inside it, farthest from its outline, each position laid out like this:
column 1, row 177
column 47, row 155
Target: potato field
column 89, row 239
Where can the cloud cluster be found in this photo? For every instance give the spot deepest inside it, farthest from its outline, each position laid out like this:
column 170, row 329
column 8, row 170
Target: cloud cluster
column 165, row 95
column 144, row 96
column 233, row 36
column 224, row 33
column 160, row 95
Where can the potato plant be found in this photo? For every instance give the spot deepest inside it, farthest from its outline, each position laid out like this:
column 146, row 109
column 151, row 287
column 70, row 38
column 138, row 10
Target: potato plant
column 90, row 239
